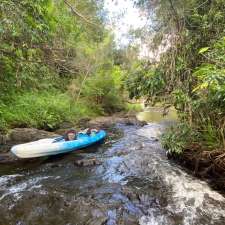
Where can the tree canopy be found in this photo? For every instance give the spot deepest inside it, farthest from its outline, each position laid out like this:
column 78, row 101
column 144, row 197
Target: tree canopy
column 55, row 50
column 190, row 73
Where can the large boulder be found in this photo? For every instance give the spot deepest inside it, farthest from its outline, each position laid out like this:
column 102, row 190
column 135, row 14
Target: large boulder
column 22, row 135
column 108, row 121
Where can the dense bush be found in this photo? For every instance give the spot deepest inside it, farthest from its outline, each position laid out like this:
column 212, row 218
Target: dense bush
column 44, row 47
column 100, row 90
column 179, row 137
column 190, row 74
column 103, row 89
column 42, row 110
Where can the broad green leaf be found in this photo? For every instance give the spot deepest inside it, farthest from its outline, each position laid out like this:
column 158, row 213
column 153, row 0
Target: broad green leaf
column 203, row 50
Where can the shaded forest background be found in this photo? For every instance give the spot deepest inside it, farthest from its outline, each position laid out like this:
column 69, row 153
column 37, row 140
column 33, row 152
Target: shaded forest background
column 57, row 63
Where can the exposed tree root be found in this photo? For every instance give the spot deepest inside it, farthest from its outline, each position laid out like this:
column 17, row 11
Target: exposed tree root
column 205, row 164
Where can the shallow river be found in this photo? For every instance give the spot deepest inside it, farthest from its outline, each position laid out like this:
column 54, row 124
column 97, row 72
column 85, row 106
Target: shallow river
column 134, row 184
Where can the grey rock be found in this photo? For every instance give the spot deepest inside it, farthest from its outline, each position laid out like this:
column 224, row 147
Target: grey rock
column 22, row 135
column 6, row 158
column 87, row 162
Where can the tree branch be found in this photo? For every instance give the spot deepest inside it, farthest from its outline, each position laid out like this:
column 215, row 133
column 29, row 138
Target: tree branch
column 79, row 14
column 175, row 15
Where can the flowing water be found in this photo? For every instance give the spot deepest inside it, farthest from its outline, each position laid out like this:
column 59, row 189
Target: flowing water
column 134, row 184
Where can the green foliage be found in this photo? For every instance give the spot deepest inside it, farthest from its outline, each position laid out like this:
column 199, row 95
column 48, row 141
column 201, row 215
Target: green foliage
column 210, row 135
column 177, row 138
column 24, row 26
column 100, row 90
column 44, row 48
column 40, row 41
column 203, row 50
column 192, row 69
column 209, row 92
column 44, row 110
column 145, row 81
column 133, row 107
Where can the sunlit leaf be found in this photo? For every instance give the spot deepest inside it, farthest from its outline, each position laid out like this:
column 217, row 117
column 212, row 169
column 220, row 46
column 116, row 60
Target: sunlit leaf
column 203, row 50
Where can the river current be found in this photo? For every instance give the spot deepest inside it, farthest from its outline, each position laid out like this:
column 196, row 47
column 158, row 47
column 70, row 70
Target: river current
column 133, row 183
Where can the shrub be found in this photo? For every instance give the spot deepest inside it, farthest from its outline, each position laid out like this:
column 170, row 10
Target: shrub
column 44, row 110
column 177, row 138
column 99, row 90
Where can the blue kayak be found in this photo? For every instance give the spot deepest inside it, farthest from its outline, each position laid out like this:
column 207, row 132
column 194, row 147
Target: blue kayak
column 54, row 146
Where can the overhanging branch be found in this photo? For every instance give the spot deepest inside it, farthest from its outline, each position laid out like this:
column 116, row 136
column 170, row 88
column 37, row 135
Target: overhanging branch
column 79, row 14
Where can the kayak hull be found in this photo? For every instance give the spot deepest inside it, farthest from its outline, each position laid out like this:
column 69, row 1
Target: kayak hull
column 50, row 146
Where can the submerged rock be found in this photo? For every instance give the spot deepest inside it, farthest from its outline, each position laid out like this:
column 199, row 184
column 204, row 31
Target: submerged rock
column 7, row 158
column 87, row 162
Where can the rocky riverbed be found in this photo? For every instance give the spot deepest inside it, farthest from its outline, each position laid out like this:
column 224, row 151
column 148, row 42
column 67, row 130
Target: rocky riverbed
column 132, row 182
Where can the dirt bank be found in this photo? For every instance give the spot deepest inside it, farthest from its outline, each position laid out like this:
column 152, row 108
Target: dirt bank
column 205, row 164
